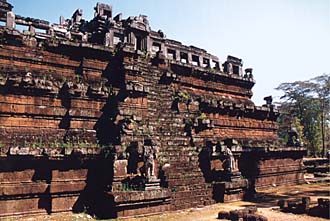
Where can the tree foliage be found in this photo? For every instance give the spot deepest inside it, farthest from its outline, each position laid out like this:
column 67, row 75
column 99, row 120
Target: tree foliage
column 305, row 105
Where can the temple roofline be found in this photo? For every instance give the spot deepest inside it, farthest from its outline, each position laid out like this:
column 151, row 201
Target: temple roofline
column 104, row 30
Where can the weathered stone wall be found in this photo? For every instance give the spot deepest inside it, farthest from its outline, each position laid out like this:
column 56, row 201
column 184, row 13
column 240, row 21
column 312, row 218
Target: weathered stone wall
column 264, row 169
column 39, row 109
column 31, row 185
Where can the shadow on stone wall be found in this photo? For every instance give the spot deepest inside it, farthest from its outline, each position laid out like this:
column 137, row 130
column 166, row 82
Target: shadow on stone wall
column 204, row 159
column 248, row 166
column 210, row 173
column 95, row 199
column 107, row 131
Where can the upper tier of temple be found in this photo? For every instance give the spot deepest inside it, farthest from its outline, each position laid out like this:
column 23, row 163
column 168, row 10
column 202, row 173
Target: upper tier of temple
column 134, row 32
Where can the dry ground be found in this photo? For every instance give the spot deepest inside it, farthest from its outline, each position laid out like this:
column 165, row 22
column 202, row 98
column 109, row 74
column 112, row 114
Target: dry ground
column 265, row 201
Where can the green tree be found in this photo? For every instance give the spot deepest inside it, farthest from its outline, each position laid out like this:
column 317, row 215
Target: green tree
column 321, row 87
column 306, row 105
column 287, row 121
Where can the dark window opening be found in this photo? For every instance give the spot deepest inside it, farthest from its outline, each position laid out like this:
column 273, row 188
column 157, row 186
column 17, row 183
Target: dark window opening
column 195, row 60
column 141, row 43
column 171, row 54
column 117, row 38
column 107, row 13
column 184, row 57
column 206, row 63
column 236, row 69
column 156, row 47
column 138, row 43
column 215, row 65
column 76, row 37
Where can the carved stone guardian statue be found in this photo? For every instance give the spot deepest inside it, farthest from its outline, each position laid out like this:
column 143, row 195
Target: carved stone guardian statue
column 149, row 160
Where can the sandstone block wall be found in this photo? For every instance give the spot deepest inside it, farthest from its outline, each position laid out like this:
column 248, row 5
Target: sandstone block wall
column 75, row 107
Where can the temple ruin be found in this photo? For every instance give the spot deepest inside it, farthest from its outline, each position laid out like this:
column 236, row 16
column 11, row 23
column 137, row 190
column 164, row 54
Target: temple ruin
column 112, row 118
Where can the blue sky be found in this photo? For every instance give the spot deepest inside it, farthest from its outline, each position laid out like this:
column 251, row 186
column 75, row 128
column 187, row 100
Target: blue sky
column 282, row 40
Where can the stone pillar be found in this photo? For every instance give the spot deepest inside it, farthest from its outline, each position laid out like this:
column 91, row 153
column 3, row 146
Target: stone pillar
column 163, row 49
column 51, row 32
column 177, row 55
column 229, row 67
column 108, row 40
column 131, row 39
column 189, row 58
column 149, row 44
column 144, row 44
column 32, row 29
column 62, row 20
column 10, row 22
column 235, row 165
column 219, row 66
column 240, row 71
column 200, row 58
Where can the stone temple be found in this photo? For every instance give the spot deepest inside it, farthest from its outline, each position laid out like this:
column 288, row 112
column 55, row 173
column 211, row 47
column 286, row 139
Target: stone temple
column 112, row 118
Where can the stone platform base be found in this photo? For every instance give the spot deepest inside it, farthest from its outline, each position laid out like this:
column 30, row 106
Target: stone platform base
column 135, row 203
column 280, row 179
column 40, row 186
column 269, row 168
column 230, row 191
column 30, row 185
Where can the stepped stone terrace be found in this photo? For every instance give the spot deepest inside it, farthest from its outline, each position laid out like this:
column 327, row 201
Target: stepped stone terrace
column 112, row 118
